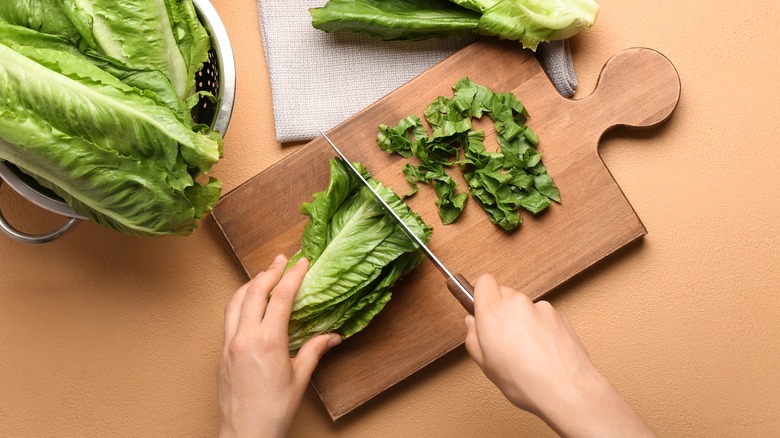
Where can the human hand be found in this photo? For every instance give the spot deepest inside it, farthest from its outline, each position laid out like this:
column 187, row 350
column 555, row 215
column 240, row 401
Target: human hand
column 532, row 354
column 260, row 386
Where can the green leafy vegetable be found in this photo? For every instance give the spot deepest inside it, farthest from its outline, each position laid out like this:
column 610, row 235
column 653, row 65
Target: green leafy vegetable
column 78, row 97
column 501, row 182
column 356, row 252
column 527, row 21
column 410, row 138
column 152, row 83
column 119, row 192
column 138, row 33
column 39, row 15
column 395, row 19
column 191, row 37
column 534, row 21
column 115, row 140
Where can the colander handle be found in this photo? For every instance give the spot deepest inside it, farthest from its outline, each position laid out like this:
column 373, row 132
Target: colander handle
column 13, row 233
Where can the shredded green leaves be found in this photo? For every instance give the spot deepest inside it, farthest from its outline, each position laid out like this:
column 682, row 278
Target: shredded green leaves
column 501, row 182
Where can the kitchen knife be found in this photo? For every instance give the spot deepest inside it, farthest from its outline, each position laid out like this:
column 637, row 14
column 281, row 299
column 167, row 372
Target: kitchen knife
column 460, row 288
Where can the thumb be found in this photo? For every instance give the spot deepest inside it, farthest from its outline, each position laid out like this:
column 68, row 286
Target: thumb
column 312, row 351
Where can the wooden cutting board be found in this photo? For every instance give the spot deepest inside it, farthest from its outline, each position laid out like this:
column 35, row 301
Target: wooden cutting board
column 638, row 87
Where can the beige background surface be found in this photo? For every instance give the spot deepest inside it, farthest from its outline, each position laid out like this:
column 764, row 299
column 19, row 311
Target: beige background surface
column 107, row 335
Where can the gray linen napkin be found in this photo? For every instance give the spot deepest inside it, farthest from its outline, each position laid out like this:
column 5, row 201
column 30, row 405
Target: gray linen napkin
column 318, row 79
column 555, row 58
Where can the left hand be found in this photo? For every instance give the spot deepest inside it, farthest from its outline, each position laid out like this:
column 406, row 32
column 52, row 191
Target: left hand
column 260, row 386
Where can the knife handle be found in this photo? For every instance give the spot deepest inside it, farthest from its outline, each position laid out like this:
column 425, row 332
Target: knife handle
column 464, row 300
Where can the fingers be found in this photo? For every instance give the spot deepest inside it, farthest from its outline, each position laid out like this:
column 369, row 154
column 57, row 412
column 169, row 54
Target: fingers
column 544, row 311
column 233, row 311
column 310, row 354
column 472, row 341
column 256, row 297
column 507, row 291
column 486, row 289
column 277, row 313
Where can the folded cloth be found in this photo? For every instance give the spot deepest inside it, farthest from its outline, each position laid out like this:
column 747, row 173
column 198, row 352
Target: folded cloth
column 555, row 58
column 319, row 79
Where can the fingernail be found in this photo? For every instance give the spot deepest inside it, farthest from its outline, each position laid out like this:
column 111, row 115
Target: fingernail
column 334, row 340
column 279, row 259
column 301, row 260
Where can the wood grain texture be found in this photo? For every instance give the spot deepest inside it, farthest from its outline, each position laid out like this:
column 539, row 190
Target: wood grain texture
column 261, row 218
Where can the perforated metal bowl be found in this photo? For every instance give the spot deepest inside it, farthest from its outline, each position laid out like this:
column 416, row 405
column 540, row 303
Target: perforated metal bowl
column 218, row 76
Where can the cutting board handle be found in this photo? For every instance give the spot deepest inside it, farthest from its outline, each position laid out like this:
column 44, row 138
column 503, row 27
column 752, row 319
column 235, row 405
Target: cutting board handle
column 640, row 81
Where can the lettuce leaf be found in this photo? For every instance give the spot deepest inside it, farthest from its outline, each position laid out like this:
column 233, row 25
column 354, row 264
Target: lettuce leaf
column 120, row 192
column 394, row 19
column 527, row 21
column 534, row 21
column 138, row 33
column 356, row 252
column 148, row 82
column 43, row 16
column 191, row 37
column 77, row 97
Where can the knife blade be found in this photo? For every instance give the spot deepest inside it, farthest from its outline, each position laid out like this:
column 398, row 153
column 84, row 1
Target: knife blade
column 457, row 284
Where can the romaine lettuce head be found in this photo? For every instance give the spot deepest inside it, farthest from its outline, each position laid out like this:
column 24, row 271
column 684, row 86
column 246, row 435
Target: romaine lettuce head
column 116, row 143
column 356, row 252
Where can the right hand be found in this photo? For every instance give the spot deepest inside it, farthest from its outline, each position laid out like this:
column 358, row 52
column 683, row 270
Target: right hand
column 532, row 354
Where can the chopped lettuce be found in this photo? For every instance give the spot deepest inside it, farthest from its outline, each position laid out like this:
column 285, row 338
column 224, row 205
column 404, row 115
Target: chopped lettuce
column 527, row 21
column 356, row 252
column 501, row 182
column 410, row 138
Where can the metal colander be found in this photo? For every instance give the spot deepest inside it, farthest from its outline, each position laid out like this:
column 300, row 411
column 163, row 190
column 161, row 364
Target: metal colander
column 218, row 76
column 207, row 79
